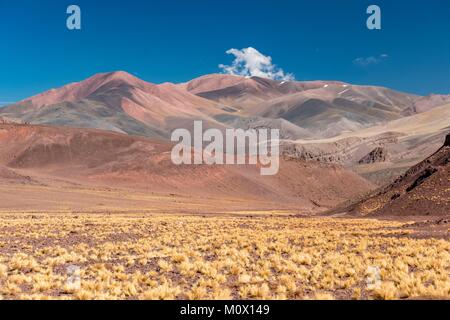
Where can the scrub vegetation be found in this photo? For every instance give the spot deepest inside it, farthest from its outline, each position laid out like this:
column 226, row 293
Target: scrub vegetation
column 134, row 256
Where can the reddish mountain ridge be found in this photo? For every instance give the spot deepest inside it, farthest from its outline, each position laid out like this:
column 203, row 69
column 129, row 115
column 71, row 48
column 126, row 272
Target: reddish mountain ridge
column 118, row 102
column 94, row 157
column 306, row 113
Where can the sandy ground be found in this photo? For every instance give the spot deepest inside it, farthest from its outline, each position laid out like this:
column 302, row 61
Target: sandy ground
column 66, row 198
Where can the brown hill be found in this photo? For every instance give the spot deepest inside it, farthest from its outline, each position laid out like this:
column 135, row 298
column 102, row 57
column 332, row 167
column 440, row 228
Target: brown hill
column 10, row 176
column 93, row 157
column 118, row 102
column 325, row 108
column 424, row 190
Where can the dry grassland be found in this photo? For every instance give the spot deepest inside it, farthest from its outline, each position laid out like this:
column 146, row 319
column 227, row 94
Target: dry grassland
column 101, row 256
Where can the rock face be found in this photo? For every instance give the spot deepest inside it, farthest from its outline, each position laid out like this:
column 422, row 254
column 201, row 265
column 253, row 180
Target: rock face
column 447, row 141
column 424, row 190
column 379, row 154
column 8, row 121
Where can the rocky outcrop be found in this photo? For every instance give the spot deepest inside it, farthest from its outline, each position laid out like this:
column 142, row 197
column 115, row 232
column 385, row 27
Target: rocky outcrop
column 378, row 154
column 424, row 190
column 4, row 120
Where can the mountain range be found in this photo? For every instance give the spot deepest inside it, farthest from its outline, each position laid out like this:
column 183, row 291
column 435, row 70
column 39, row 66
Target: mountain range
column 114, row 128
column 120, row 102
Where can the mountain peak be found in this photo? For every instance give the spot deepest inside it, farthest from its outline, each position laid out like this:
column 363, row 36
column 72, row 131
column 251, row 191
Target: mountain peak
column 211, row 82
column 118, row 76
column 82, row 89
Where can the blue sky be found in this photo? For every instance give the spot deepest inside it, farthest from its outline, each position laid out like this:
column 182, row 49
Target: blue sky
column 177, row 40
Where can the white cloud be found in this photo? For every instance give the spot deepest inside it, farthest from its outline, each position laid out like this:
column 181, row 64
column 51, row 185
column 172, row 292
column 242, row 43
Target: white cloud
column 367, row 61
column 249, row 62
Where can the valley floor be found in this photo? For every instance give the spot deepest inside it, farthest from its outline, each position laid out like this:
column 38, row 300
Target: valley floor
column 149, row 255
column 64, row 197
